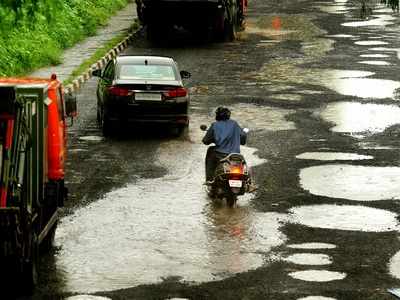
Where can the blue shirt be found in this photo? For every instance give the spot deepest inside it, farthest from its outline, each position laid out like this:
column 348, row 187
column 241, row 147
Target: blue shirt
column 227, row 136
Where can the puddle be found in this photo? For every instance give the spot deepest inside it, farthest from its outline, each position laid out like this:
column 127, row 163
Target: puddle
column 374, row 55
column 394, row 265
column 310, row 92
column 312, row 246
column 345, row 217
column 164, row 227
column 314, row 259
column 349, row 83
column 332, row 156
column 364, row 87
column 371, row 43
column 332, row 9
column 357, row 117
column 379, row 20
column 77, row 150
column 259, row 117
column 359, row 183
column 317, row 275
column 288, row 97
column 92, row 138
column 316, row 298
column 87, row 297
column 375, row 62
column 341, row 36
column 292, row 27
column 371, row 145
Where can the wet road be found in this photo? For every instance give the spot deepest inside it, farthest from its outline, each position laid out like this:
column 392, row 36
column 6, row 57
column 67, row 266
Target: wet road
column 319, row 88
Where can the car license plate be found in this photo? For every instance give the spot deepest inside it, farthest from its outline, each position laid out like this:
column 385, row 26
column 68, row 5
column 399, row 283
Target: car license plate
column 148, row 96
column 235, row 183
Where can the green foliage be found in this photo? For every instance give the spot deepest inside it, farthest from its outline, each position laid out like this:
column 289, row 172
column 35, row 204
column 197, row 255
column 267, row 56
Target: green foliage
column 34, row 32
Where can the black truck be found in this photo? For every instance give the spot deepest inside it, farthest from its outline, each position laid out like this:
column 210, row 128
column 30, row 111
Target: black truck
column 221, row 18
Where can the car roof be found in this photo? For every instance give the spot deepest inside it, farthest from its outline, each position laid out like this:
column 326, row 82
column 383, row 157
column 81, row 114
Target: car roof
column 151, row 60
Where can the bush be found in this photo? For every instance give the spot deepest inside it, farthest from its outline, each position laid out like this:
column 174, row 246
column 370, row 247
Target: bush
column 34, row 32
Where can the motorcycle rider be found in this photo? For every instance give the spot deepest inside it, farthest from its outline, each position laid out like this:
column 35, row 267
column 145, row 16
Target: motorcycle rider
column 227, row 136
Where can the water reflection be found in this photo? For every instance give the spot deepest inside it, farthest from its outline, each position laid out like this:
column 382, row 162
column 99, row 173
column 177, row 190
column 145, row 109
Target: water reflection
column 314, row 245
column 360, row 183
column 332, row 156
column 315, row 259
column 86, row 297
column 356, row 117
column 378, row 20
column 375, row 55
column 345, row 217
column 317, row 275
column 92, row 138
column 375, row 62
column 364, row 87
column 316, row 298
column 370, row 43
column 394, row 265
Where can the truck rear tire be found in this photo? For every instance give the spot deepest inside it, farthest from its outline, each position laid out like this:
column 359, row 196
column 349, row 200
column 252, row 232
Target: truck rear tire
column 230, row 31
column 29, row 267
column 47, row 243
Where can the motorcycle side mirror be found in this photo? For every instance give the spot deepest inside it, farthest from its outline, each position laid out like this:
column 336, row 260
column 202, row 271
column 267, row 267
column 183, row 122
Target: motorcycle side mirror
column 96, row 73
column 203, row 127
column 246, row 130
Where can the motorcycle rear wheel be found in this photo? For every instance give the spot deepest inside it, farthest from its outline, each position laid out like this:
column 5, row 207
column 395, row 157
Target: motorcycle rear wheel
column 231, row 200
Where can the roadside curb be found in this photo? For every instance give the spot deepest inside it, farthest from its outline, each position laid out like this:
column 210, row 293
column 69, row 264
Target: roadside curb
column 86, row 75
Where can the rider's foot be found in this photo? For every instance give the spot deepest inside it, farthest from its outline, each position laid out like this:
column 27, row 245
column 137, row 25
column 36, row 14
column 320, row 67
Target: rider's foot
column 252, row 188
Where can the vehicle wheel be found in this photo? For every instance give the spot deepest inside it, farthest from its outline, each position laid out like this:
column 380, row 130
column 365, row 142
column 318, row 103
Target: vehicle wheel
column 182, row 129
column 47, row 243
column 98, row 115
column 29, row 268
column 105, row 125
column 231, row 200
column 230, row 31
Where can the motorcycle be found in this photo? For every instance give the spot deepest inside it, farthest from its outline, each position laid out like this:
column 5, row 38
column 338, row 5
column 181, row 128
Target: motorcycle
column 231, row 178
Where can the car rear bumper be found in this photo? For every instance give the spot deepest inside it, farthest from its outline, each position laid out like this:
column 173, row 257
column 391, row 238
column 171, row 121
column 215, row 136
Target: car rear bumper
column 176, row 113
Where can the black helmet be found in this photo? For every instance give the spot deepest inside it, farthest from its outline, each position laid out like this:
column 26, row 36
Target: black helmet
column 222, row 113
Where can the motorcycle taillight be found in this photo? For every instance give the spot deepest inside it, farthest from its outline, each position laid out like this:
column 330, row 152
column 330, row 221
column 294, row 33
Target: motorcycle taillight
column 236, row 169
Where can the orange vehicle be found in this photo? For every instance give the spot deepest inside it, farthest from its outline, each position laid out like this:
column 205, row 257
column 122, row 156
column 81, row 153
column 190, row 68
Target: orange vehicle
column 33, row 139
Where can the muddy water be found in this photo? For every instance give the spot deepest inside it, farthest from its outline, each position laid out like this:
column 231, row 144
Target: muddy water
column 167, row 227
column 359, row 183
column 345, row 217
column 352, row 117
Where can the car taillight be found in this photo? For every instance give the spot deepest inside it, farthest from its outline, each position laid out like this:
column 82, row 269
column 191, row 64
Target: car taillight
column 119, row 91
column 175, row 93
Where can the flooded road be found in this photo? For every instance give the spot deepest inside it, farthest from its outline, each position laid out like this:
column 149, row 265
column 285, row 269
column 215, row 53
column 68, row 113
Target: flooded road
column 319, row 88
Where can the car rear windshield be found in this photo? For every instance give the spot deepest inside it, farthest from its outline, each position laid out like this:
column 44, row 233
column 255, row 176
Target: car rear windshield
column 146, row 72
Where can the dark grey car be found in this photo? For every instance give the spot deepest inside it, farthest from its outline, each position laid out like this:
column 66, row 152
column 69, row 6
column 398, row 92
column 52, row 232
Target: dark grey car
column 138, row 89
